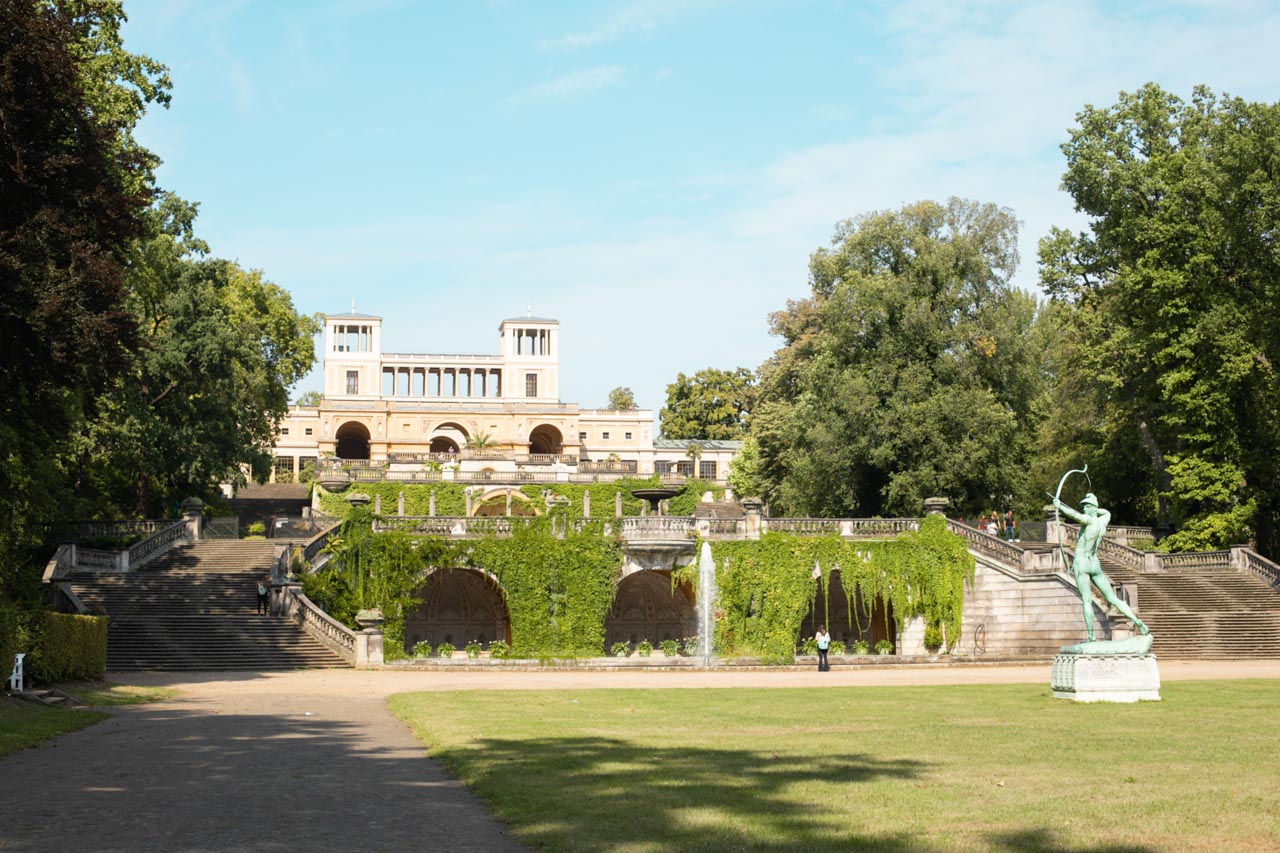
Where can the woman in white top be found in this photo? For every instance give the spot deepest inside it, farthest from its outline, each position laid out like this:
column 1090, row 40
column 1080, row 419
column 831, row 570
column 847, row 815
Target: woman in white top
column 824, row 643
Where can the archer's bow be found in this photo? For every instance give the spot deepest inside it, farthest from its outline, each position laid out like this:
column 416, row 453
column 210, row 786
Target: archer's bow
column 1057, row 516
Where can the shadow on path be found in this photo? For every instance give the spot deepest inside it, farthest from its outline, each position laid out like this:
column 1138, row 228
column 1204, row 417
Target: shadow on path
column 174, row 778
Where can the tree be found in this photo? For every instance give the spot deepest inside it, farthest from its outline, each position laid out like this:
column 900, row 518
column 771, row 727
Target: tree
column 621, row 399
column 1173, row 291
column 694, row 452
column 711, row 404
column 911, row 371
column 73, row 189
column 202, row 398
column 310, row 399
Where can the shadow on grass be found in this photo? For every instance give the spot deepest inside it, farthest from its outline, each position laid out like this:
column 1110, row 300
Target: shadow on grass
column 603, row 793
column 1047, row 841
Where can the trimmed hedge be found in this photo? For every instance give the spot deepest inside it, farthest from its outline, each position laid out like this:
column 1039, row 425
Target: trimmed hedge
column 59, row 646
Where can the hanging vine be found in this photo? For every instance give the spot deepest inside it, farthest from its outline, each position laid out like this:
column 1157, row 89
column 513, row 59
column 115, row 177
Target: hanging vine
column 767, row 586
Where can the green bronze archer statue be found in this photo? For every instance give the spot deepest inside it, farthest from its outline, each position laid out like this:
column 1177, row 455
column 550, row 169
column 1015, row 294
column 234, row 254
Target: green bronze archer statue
column 1093, row 522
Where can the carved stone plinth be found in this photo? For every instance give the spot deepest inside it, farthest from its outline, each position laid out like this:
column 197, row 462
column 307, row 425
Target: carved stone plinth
column 1105, row 678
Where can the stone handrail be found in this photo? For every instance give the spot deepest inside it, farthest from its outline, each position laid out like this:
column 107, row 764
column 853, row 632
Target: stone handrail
column 1251, row 561
column 1191, row 561
column 153, row 546
column 878, row 527
column 1124, row 534
column 989, row 546
column 657, row 528
column 60, row 564
column 79, row 531
column 1114, row 550
column 329, row 631
column 803, row 526
column 317, row 543
column 723, row 526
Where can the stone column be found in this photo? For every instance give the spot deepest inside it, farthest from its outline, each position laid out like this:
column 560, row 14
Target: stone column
column 1051, row 523
column 467, row 492
column 508, row 504
column 377, row 504
column 586, row 504
column 617, row 504
column 400, row 505
column 431, row 504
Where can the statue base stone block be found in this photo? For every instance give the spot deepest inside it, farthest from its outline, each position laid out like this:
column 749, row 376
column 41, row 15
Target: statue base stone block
column 1105, row 678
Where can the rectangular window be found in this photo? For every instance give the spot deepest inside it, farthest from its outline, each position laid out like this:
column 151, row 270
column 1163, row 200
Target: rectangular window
column 604, row 436
column 353, row 382
column 284, row 430
column 531, row 384
column 582, row 436
column 627, row 436
column 684, row 469
column 707, row 470
column 308, row 430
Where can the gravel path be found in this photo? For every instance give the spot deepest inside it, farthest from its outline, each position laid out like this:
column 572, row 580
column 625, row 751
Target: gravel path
column 313, row 760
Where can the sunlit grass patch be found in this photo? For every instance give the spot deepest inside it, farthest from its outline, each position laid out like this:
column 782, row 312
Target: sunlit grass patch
column 947, row 768
column 25, row 724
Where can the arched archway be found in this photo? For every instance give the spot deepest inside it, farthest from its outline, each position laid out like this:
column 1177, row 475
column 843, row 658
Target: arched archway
column 545, row 439
column 458, row 606
column 645, row 607
column 845, row 624
column 494, row 504
column 448, row 437
column 352, row 440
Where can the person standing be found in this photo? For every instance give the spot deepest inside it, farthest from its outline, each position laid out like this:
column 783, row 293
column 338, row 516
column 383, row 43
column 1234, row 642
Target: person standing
column 264, row 590
column 824, row 643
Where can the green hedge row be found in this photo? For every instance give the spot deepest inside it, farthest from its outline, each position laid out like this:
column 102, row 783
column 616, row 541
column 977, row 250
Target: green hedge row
column 59, row 646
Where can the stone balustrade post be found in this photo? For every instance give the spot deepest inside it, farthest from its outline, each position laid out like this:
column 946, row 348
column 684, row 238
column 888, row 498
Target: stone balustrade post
column 754, row 508
column 1052, row 526
column 377, row 504
column 586, row 503
column 936, row 506
column 192, row 509
column 368, row 648
column 400, row 505
column 617, row 504
column 431, row 504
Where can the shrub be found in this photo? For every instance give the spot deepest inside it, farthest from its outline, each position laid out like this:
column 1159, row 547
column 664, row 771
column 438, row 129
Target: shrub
column 932, row 639
column 809, row 646
column 691, row 646
column 837, row 647
column 499, row 649
column 884, row 647
column 445, row 650
column 670, row 648
column 257, row 528
column 422, row 649
column 62, row 647
column 860, row 647
column 620, row 649
column 472, row 649
column 644, row 648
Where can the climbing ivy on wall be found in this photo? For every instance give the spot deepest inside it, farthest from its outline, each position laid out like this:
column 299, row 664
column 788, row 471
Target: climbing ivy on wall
column 558, row 584
column 766, row 587
column 558, row 588
column 451, row 497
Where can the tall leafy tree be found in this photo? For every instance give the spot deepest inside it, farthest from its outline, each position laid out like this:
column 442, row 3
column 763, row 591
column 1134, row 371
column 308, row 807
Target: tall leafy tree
column 711, row 404
column 203, row 397
column 621, row 399
column 913, row 369
column 73, row 189
column 1174, row 290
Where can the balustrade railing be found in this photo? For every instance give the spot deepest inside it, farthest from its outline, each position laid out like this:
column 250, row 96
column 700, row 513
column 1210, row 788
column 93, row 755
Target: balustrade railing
column 415, row 476
column 657, row 527
column 725, row 526
column 606, row 466
column 80, row 531
column 1195, row 560
column 1262, row 567
column 987, row 545
column 319, row 624
column 879, row 527
column 153, row 546
column 1128, row 534
column 803, row 526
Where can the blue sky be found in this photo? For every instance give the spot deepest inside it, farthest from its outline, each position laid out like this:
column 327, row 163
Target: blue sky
column 654, row 175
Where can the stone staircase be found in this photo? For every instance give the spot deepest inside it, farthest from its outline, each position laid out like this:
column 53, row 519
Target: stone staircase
column 1208, row 613
column 194, row 609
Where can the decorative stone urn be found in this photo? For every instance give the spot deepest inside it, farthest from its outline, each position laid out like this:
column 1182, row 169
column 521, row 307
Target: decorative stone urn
column 358, row 499
column 334, row 481
column 371, row 618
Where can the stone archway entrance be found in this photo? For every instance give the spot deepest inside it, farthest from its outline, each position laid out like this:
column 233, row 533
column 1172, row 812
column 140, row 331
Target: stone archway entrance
column 845, row 624
column 545, row 439
column 494, row 504
column 458, row 606
column 352, row 439
column 645, row 607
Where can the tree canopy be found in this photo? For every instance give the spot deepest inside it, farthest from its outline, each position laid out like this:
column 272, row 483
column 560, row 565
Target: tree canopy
column 911, row 371
column 621, row 399
column 711, row 404
column 1174, row 290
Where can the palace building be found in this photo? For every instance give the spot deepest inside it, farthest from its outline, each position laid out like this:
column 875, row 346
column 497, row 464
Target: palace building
column 410, row 415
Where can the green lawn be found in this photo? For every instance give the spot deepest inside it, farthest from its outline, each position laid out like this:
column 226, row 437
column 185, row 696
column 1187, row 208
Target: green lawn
column 25, row 724
column 910, row 768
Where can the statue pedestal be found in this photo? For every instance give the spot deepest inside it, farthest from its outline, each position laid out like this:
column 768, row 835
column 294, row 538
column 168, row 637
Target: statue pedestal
column 1105, row 678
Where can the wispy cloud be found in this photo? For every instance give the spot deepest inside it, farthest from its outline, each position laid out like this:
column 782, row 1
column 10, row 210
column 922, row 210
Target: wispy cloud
column 635, row 19
column 569, row 86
